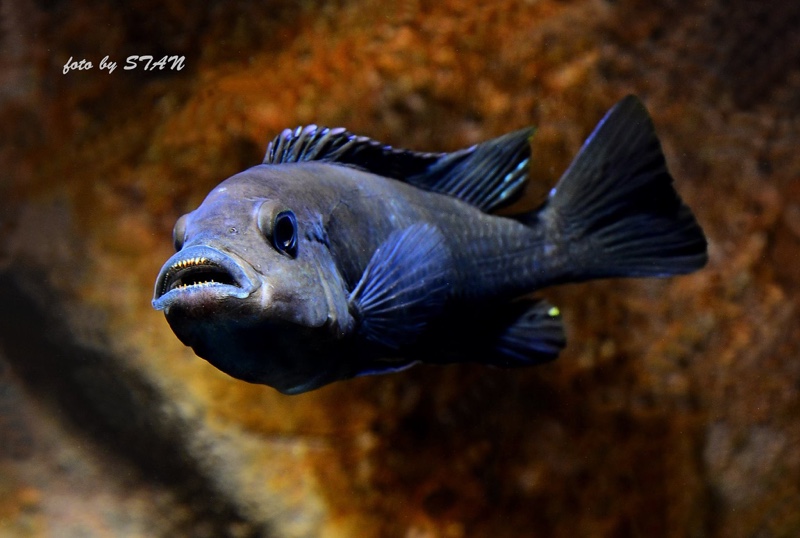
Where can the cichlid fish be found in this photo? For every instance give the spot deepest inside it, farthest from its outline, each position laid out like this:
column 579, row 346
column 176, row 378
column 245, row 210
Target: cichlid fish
column 339, row 256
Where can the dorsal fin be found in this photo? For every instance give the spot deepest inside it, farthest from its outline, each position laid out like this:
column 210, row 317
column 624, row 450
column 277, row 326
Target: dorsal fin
column 313, row 143
column 487, row 175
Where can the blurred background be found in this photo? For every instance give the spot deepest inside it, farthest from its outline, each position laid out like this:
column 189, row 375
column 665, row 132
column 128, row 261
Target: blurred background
column 672, row 412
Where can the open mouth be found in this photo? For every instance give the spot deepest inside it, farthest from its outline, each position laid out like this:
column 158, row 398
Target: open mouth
column 196, row 272
column 200, row 268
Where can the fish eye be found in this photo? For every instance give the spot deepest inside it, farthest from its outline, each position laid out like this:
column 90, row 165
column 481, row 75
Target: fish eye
column 179, row 233
column 279, row 227
column 284, row 232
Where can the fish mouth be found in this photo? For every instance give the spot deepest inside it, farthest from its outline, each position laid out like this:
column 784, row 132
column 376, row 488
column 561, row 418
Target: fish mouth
column 200, row 273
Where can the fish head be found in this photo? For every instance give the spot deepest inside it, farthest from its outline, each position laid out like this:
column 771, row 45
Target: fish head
column 252, row 287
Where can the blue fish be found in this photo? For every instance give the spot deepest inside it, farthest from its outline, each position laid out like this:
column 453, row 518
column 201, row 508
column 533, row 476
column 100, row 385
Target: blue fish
column 339, row 256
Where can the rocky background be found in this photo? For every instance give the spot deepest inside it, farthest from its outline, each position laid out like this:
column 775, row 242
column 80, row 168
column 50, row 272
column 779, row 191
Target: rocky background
column 672, row 412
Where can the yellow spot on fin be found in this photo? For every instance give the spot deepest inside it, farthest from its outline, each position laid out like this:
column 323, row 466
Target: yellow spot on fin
column 554, row 312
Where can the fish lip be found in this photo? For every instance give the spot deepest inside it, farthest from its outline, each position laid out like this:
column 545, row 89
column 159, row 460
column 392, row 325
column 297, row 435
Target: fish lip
column 232, row 273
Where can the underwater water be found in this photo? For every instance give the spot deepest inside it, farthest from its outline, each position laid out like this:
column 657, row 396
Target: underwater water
column 671, row 412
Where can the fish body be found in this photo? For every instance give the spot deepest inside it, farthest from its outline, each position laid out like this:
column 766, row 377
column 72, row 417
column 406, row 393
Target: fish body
column 339, row 256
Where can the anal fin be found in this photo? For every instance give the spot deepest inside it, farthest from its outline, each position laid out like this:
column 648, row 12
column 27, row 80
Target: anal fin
column 532, row 334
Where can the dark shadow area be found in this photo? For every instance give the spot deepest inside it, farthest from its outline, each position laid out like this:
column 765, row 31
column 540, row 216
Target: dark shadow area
column 108, row 403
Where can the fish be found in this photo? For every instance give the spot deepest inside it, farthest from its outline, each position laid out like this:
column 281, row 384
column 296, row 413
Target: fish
column 339, row 256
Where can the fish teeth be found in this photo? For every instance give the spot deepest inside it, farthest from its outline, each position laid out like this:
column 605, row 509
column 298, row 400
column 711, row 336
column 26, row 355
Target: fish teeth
column 203, row 284
column 191, row 262
column 183, row 264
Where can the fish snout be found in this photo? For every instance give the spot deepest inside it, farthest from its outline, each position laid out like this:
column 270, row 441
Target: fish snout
column 201, row 273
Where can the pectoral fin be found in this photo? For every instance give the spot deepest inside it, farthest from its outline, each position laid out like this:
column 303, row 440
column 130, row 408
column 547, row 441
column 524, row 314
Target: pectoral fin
column 404, row 286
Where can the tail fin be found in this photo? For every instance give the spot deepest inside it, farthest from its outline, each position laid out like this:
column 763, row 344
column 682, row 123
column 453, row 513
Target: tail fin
column 615, row 208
